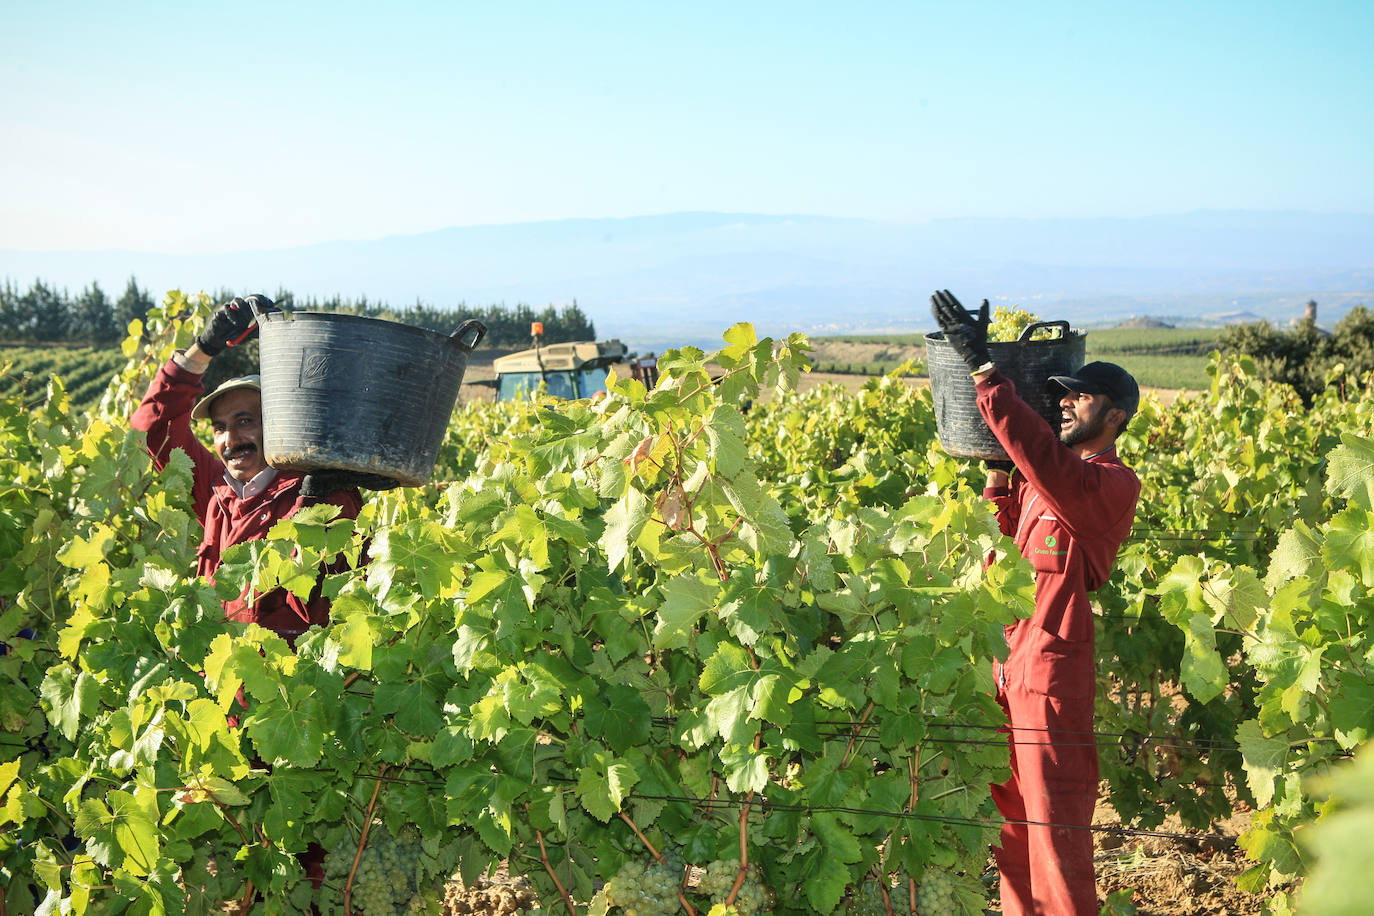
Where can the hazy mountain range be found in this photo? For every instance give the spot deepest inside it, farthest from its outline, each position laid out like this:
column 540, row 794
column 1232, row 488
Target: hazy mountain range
column 685, row 277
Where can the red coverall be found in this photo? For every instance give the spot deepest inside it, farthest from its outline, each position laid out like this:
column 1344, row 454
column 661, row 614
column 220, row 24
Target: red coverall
column 165, row 414
column 1068, row 515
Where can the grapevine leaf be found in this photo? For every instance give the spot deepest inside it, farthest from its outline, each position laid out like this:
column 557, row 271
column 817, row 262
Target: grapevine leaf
column 419, row 551
column 451, row 745
column 741, row 338
column 1204, row 673
column 68, row 697
column 624, row 520
column 533, row 692
column 823, row 882
column 815, row 558
column 1180, row 591
column 81, row 553
column 1340, row 843
column 728, row 715
column 771, row 700
column 762, row 512
column 603, row 784
column 1263, row 759
column 686, row 599
column 1350, row 544
column 746, row 770
column 1351, row 703
column 1297, row 555
column 414, row 701
column 355, row 636
column 726, row 434
column 561, row 452
column 491, row 720
column 747, row 606
column 124, row 834
column 1237, row 601
column 728, row 667
column 619, row 716
column 525, row 530
column 289, row 729
column 1268, row 845
column 1350, row 471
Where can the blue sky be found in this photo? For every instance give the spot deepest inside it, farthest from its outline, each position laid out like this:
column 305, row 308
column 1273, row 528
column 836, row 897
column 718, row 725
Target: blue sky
column 188, row 127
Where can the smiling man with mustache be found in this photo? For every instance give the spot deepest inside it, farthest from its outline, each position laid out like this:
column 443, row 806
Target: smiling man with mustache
column 1069, row 502
column 237, row 496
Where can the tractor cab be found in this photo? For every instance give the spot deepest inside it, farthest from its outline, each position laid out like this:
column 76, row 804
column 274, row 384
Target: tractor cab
column 575, row 369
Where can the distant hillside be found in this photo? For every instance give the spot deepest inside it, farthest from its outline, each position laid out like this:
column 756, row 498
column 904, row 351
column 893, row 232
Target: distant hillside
column 1144, row 323
column 688, row 276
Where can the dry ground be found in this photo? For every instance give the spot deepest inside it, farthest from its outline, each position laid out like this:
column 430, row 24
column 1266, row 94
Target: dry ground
column 1167, row 876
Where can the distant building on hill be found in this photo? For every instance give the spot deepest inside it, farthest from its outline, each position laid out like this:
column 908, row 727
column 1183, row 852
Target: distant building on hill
column 1310, row 314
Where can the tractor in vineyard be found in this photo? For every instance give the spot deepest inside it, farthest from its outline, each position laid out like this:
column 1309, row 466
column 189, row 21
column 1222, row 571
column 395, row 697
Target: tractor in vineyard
column 571, row 369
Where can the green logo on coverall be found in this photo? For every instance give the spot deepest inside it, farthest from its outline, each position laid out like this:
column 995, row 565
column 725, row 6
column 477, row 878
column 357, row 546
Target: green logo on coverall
column 1050, row 541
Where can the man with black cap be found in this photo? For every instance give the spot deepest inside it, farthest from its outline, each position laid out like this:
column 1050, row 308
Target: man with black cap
column 1069, row 503
column 236, row 495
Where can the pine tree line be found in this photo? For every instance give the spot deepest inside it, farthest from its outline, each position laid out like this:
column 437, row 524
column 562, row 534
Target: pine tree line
column 44, row 314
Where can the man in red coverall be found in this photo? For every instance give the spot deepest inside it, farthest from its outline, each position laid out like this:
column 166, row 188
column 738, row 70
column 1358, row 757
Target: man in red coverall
column 236, row 495
column 1069, row 503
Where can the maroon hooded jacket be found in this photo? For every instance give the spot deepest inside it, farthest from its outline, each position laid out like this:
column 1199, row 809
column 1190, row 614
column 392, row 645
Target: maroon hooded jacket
column 165, row 415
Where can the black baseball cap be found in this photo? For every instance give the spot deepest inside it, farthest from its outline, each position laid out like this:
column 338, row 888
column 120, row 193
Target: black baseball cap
column 1104, row 378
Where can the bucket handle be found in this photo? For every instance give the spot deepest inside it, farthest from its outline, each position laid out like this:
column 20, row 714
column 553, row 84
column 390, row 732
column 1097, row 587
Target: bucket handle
column 261, row 314
column 1062, row 325
column 478, row 329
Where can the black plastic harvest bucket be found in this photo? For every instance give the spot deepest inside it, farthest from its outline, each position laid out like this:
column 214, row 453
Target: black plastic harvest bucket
column 1028, row 363
column 344, row 392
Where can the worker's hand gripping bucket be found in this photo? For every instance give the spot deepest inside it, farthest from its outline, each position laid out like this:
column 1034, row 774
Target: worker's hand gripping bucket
column 1028, row 363
column 348, row 393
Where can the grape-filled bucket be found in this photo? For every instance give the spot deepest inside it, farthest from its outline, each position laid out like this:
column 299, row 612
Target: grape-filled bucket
column 350, row 393
column 1028, row 363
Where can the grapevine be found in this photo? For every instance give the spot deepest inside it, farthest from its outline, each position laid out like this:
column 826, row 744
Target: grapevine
column 618, row 623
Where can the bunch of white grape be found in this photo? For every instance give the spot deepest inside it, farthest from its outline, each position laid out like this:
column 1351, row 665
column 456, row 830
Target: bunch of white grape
column 935, row 895
column 643, row 890
column 1008, row 323
column 753, row 896
column 384, row 884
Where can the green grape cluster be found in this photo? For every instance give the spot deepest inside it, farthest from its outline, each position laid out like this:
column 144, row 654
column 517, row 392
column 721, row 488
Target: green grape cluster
column 1007, row 324
column 867, row 900
column 644, row 890
column 753, row 897
column 384, row 884
column 935, row 895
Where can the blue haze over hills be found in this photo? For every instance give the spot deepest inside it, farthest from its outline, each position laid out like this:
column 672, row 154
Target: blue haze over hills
column 685, row 277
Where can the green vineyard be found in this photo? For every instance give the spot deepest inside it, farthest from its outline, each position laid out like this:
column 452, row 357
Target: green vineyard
column 685, row 649
column 85, row 372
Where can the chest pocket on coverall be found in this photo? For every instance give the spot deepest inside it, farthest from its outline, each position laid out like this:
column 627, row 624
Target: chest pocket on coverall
column 1047, row 541
column 1053, row 666
column 1048, row 545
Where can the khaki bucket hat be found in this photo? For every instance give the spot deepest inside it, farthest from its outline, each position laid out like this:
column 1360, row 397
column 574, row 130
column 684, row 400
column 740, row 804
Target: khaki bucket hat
column 202, row 409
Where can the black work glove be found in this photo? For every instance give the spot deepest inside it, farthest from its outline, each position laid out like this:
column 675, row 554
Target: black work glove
column 966, row 332
column 999, row 464
column 232, row 323
column 320, row 484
